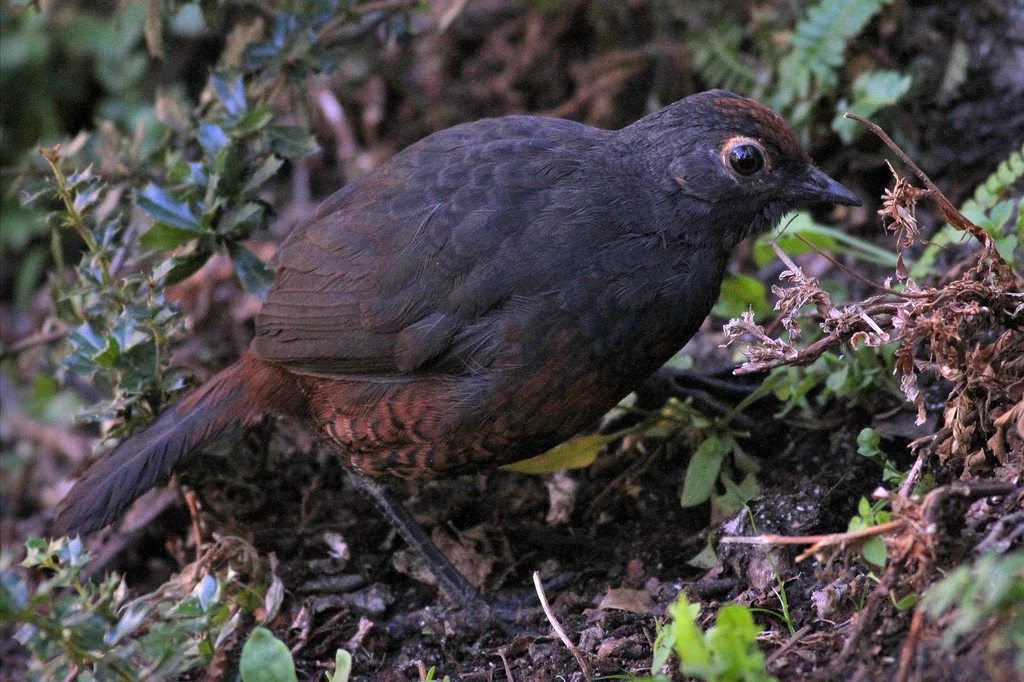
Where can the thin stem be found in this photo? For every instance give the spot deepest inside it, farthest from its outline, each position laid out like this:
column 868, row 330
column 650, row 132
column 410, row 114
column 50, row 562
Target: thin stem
column 75, row 220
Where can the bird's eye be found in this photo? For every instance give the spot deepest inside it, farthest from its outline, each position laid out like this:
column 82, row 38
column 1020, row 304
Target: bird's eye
column 746, row 159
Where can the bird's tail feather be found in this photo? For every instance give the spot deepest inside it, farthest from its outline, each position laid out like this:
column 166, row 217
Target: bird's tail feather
column 140, row 462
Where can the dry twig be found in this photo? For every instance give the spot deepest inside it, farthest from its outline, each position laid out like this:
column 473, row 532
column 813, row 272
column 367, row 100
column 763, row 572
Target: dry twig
column 588, row 671
column 818, row 542
column 57, row 333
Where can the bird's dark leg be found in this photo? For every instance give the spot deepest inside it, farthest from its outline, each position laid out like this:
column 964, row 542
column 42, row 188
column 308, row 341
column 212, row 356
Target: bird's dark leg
column 712, row 395
column 448, row 577
column 667, row 382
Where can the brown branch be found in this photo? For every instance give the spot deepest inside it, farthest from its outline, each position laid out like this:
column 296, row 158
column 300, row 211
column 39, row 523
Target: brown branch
column 818, row 542
column 950, row 212
column 864, row 619
column 968, row 490
column 37, row 339
column 861, row 278
column 910, row 646
column 803, row 357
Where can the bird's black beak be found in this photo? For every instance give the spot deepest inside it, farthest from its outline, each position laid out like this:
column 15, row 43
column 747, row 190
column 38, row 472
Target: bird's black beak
column 818, row 188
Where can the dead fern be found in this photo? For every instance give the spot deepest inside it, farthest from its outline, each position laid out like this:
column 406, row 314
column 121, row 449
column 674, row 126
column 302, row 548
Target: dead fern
column 967, row 331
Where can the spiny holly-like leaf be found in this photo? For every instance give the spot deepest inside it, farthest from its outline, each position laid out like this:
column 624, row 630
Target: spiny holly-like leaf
column 292, row 142
column 231, row 95
column 251, row 271
column 161, row 206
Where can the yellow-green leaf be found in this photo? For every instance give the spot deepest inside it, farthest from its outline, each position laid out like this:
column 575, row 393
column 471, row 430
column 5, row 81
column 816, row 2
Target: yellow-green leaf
column 572, row 454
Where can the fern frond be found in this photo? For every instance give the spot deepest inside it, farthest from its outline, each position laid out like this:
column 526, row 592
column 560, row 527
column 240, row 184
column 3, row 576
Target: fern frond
column 992, row 210
column 988, row 193
column 873, row 90
column 817, row 47
column 716, row 55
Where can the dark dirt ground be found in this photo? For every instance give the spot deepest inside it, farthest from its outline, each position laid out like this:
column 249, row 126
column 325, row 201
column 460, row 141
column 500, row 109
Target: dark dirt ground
column 626, row 530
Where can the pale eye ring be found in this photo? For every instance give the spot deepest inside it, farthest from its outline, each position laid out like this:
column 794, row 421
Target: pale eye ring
column 746, row 159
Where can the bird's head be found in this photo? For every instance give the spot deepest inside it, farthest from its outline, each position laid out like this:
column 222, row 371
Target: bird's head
column 739, row 160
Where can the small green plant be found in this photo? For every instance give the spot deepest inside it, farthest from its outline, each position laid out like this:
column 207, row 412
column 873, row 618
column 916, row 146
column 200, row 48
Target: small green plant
column 727, row 652
column 991, row 589
column 342, row 667
column 856, row 379
column 52, row 62
column 717, row 457
column 872, row 91
column 868, row 445
column 265, row 658
column 431, row 673
column 73, row 627
column 874, row 550
column 991, row 207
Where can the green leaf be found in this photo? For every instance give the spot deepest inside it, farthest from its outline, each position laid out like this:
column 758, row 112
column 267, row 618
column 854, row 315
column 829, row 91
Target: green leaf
column 254, row 120
column 868, row 441
column 266, row 171
column 821, row 236
column 87, row 342
column 265, row 658
column 702, row 472
column 212, row 138
column 179, row 268
column 818, row 45
column 342, row 666
column 689, row 640
column 232, row 95
column 737, row 495
column 705, row 559
column 864, row 508
column 162, row 207
column 251, row 271
column 733, row 642
column 875, row 551
column 127, row 334
column 837, row 380
column 163, row 237
column 572, row 454
column 663, row 644
column 739, row 294
column 292, row 142
column 872, row 91
column 242, row 220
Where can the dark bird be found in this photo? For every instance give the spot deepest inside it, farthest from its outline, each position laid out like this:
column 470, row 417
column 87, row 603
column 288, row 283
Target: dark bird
column 487, row 293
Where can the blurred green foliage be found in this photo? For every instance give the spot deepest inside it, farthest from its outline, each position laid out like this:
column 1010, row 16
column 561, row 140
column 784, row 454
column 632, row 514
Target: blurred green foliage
column 59, row 71
column 992, row 207
column 162, row 184
column 857, row 379
column 991, row 588
column 802, row 70
column 79, row 629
